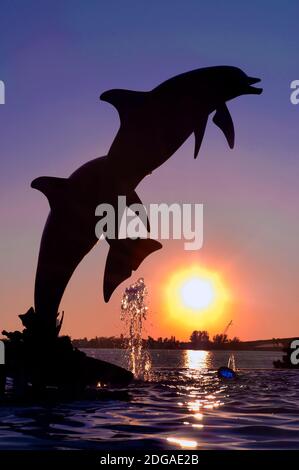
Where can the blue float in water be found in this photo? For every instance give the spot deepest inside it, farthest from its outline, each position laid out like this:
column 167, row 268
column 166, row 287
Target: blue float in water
column 226, row 373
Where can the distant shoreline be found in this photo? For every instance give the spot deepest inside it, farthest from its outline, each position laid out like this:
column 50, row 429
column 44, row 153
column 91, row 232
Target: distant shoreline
column 277, row 344
column 190, row 348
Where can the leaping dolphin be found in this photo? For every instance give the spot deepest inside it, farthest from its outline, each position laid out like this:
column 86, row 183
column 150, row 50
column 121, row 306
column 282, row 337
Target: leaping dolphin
column 153, row 125
column 69, row 233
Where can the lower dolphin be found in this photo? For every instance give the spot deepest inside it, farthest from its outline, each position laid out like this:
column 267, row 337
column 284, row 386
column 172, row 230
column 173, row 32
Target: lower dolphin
column 69, row 234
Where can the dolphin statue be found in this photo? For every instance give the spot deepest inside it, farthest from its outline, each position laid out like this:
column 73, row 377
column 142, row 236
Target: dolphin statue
column 69, row 233
column 153, row 125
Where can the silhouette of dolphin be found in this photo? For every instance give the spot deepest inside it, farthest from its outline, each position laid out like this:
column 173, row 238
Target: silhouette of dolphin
column 153, row 126
column 69, row 233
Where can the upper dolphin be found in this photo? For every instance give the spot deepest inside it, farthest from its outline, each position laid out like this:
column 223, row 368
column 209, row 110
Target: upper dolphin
column 154, row 124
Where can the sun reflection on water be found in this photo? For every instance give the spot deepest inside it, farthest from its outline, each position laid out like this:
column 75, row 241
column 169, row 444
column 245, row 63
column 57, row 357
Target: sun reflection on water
column 184, row 443
column 201, row 390
column 197, row 359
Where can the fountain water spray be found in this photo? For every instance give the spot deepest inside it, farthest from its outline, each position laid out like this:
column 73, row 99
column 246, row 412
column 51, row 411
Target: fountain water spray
column 133, row 314
column 232, row 362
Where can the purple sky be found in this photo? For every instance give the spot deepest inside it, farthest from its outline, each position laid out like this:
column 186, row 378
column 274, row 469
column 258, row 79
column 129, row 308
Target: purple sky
column 57, row 57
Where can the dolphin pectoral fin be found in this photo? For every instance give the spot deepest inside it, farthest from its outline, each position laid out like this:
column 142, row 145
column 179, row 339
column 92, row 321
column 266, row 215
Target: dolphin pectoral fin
column 133, row 198
column 124, row 100
column 223, row 120
column 125, row 256
column 199, row 133
column 53, row 188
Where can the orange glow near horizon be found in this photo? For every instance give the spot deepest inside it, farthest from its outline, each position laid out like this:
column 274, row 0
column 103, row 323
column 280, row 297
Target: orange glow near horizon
column 196, row 298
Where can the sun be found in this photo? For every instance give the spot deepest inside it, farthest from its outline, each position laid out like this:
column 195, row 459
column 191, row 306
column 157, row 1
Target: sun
column 197, row 293
column 196, row 298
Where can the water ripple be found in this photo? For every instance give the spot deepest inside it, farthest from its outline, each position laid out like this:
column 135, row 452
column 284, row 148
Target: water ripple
column 181, row 407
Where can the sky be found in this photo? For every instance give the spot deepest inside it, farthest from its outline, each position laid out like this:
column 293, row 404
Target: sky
column 57, row 57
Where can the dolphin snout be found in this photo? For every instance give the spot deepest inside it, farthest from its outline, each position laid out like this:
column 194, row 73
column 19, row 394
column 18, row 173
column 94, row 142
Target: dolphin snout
column 251, row 89
column 253, row 80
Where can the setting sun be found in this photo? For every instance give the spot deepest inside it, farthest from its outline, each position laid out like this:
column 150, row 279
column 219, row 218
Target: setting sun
column 197, row 293
column 196, row 298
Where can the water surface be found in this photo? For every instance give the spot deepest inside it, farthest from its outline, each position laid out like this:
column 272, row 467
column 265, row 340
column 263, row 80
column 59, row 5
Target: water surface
column 184, row 406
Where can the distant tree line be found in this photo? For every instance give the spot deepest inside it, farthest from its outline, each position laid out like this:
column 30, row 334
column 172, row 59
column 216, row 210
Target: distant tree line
column 201, row 340
column 198, row 340
column 100, row 342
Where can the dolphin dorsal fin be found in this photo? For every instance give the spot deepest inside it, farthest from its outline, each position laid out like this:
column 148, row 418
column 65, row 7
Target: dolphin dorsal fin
column 53, row 188
column 125, row 101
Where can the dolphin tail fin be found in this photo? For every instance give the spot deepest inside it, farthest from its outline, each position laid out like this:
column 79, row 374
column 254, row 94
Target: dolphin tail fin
column 53, row 188
column 125, row 256
column 124, row 100
column 223, row 120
